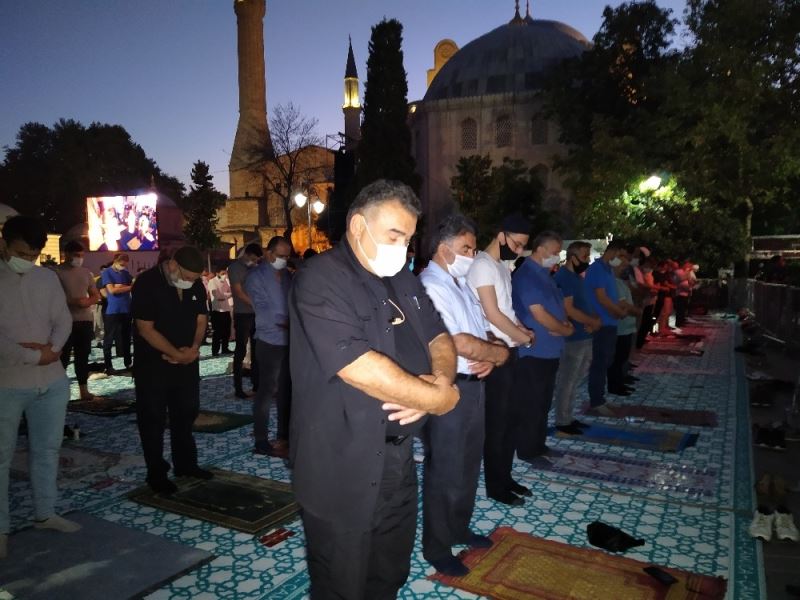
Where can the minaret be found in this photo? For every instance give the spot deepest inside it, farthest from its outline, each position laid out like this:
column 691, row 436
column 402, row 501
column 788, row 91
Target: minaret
column 252, row 139
column 352, row 104
column 528, row 17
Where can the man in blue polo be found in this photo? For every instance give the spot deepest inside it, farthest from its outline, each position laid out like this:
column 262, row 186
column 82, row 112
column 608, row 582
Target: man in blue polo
column 117, row 282
column 601, row 286
column 539, row 306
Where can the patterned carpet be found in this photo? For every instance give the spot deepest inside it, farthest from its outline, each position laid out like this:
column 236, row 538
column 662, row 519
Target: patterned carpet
column 695, row 528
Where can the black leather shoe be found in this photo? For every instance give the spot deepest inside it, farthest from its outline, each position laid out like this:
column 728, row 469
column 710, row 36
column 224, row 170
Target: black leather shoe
column 450, row 566
column 196, row 473
column 507, row 498
column 162, row 485
column 631, row 379
column 476, row 540
column 519, row 490
column 580, row 424
column 619, row 392
column 570, row 429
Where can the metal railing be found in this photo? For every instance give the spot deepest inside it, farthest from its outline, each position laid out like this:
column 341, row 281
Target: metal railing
column 776, row 307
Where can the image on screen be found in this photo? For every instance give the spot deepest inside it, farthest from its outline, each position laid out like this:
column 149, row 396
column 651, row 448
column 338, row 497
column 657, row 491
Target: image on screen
column 122, row 223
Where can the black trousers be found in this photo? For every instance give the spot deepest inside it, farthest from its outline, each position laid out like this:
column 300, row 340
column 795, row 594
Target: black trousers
column 273, row 364
column 453, row 449
column 658, row 308
column 534, row 384
column 681, row 308
column 501, row 424
column 245, row 325
column 79, row 342
column 179, row 395
column 645, row 326
column 369, row 564
column 117, row 329
column 221, row 331
column 618, row 369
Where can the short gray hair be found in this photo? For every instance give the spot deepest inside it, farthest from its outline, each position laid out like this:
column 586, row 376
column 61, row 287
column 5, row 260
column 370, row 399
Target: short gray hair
column 452, row 226
column 385, row 190
column 544, row 237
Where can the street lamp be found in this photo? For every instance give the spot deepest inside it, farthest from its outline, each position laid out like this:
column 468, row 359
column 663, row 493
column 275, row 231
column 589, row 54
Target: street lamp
column 301, row 200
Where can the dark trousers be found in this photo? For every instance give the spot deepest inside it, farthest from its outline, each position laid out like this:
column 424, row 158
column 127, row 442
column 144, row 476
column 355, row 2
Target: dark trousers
column 604, row 344
column 618, row 369
column 245, row 325
column 178, row 394
column 645, row 326
column 221, row 331
column 80, row 342
column 681, row 308
column 117, row 329
column 658, row 308
column 534, row 384
column 453, row 449
column 273, row 364
column 370, row 564
column 501, row 424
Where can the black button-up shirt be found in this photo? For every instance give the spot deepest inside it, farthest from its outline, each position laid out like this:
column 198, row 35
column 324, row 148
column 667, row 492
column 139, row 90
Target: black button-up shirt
column 338, row 311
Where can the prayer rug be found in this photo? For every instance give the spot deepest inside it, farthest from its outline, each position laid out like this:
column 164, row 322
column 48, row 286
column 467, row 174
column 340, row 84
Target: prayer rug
column 74, row 463
column 520, row 566
column 102, row 407
column 644, row 439
column 634, row 472
column 242, row 502
column 103, row 560
column 671, row 350
column 209, row 421
column 659, row 414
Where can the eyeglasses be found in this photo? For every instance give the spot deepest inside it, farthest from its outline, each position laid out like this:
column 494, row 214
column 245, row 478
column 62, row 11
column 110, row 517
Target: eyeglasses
column 518, row 246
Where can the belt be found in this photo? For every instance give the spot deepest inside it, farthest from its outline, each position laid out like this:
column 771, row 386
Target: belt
column 396, row 440
column 463, row 377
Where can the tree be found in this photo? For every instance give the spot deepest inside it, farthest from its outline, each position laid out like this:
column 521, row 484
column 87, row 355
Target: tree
column 200, row 208
column 287, row 166
column 384, row 151
column 486, row 193
column 50, row 172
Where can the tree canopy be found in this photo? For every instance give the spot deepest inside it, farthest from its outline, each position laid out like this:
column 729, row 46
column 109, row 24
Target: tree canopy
column 200, row 208
column 50, row 171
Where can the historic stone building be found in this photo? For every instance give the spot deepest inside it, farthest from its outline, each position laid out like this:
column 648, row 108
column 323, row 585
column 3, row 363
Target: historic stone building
column 484, row 99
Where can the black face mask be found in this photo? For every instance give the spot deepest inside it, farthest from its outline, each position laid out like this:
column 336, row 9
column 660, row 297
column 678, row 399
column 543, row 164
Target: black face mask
column 580, row 267
column 507, row 253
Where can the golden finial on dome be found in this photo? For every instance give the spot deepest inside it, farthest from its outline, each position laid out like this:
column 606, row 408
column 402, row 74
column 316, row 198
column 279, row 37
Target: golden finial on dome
column 517, row 20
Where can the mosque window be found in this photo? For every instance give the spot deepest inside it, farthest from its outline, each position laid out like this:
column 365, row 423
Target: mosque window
column 539, row 131
column 469, row 134
column 502, row 133
column 542, row 173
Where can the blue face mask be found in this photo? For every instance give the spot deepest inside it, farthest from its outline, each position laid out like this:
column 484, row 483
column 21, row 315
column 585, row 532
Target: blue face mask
column 411, row 264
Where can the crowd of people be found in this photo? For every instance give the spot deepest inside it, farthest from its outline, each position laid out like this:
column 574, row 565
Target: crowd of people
column 360, row 356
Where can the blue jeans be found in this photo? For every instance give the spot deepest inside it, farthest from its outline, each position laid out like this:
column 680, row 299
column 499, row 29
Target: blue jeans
column 604, row 345
column 45, row 409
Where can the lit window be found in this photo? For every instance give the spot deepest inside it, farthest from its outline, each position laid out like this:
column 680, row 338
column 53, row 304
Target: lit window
column 469, row 134
column 502, row 134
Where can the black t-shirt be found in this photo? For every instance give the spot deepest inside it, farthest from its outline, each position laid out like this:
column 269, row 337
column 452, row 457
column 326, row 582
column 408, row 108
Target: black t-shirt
column 660, row 278
column 175, row 317
column 409, row 354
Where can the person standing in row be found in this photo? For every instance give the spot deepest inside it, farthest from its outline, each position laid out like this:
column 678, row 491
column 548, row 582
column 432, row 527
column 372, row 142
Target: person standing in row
column 82, row 295
column 618, row 376
column 267, row 286
column 244, row 318
column 454, row 442
column 34, row 326
column 117, row 282
column 221, row 304
column 370, row 358
column 539, row 305
column 169, row 310
column 489, row 278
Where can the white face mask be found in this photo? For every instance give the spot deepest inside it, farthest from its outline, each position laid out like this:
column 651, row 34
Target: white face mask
column 182, row 284
column 551, row 261
column 280, row 263
column 389, row 258
column 460, row 266
column 20, row 265
column 76, row 262
column 615, row 262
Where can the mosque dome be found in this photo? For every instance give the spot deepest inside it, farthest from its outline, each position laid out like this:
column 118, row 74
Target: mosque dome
column 512, row 58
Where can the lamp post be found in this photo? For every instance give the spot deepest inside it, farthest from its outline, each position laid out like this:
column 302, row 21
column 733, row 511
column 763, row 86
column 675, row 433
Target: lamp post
column 301, row 200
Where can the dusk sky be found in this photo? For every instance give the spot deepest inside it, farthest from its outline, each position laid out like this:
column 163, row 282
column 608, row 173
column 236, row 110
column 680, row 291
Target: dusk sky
column 166, row 70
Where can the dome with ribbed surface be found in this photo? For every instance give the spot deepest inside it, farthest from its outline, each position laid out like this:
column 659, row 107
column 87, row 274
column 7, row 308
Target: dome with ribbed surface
column 510, row 59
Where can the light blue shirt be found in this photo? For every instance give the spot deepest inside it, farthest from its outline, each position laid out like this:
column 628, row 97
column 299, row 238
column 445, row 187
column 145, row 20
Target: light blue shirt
column 269, row 291
column 456, row 304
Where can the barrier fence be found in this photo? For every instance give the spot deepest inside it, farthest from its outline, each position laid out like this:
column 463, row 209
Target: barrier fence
column 776, row 307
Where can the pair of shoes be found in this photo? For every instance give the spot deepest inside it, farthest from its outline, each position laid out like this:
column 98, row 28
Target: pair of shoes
column 450, row 566
column 610, row 538
column 781, row 520
column 580, row 424
column 242, row 395
column 57, row 523
column 196, row 473
column 476, row 540
column 162, row 485
column 773, row 438
column 263, row 448
column 603, row 410
column 519, row 490
column 570, row 429
column 623, row 390
column 538, row 462
column 507, row 498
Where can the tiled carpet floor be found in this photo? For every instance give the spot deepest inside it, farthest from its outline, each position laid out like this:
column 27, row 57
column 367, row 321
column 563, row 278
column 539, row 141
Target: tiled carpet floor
column 706, row 533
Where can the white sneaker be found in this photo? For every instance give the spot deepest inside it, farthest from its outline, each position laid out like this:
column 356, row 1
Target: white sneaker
column 58, row 524
column 761, row 527
column 785, row 529
column 3, row 545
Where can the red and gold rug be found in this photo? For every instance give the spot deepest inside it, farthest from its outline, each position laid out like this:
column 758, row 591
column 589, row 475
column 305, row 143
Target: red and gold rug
column 522, row 567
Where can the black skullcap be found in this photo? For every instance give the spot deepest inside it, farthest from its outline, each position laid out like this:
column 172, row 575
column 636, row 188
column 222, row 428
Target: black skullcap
column 516, row 223
column 190, row 258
